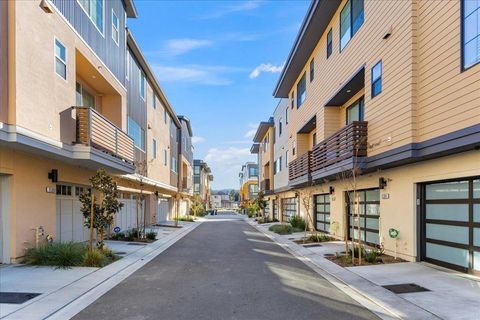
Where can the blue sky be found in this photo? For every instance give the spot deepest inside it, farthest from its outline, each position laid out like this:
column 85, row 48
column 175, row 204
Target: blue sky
column 218, row 63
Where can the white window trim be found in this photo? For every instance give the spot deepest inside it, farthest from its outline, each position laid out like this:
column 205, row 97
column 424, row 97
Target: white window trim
column 55, row 39
column 117, row 41
column 102, row 32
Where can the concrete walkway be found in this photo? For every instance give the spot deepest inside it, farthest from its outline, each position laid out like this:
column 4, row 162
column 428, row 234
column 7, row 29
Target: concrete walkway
column 225, row 269
column 66, row 292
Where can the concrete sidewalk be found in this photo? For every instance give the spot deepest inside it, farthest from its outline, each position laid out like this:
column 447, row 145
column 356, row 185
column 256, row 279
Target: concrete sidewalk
column 65, row 292
column 452, row 295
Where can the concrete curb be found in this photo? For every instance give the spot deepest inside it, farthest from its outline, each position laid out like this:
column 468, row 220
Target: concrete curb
column 69, row 300
column 383, row 303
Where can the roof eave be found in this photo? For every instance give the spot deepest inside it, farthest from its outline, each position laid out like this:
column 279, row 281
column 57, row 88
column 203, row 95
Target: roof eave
column 130, row 9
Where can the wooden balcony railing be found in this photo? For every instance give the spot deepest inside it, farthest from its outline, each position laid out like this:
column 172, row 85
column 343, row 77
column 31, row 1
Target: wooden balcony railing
column 300, row 167
column 348, row 142
column 95, row 130
column 265, row 185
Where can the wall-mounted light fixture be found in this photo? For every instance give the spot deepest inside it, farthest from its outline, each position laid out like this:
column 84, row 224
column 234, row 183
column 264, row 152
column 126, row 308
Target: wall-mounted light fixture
column 331, row 190
column 382, row 182
column 156, row 193
column 53, row 175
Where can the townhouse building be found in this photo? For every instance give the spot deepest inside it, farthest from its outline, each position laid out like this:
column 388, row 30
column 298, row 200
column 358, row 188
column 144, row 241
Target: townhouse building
column 202, row 179
column 384, row 104
column 248, row 178
column 76, row 97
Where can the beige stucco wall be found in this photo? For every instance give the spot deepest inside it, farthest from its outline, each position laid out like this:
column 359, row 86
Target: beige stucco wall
column 3, row 62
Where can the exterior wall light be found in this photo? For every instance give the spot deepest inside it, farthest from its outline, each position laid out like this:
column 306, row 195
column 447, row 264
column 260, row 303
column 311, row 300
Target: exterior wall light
column 331, row 190
column 53, row 175
column 382, row 182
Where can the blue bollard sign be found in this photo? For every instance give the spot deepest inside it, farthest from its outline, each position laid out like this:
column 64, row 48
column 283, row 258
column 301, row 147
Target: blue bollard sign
column 116, row 229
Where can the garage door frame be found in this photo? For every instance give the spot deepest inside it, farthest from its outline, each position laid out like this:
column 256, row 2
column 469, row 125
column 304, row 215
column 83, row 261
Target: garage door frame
column 422, row 207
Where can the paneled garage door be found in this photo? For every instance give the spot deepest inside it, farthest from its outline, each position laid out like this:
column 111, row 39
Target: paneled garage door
column 163, row 209
column 70, row 220
column 451, row 224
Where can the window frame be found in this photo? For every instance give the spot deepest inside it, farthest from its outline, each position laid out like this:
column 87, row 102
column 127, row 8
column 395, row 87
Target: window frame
column 378, row 79
column 312, row 70
column 89, row 15
column 462, row 38
column 292, row 100
column 351, row 22
column 142, row 79
column 361, row 110
column 142, row 134
column 302, row 84
column 117, row 29
column 329, row 43
column 280, row 127
column 286, row 116
column 55, row 57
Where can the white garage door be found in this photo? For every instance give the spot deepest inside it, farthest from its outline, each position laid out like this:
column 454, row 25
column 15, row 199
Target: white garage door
column 163, row 209
column 183, row 208
column 70, row 220
column 126, row 218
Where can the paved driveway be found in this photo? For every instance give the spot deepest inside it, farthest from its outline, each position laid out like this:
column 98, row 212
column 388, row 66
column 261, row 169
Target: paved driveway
column 225, row 269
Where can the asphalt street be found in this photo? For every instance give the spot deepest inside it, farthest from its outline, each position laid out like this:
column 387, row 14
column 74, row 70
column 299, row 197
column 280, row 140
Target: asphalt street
column 225, row 269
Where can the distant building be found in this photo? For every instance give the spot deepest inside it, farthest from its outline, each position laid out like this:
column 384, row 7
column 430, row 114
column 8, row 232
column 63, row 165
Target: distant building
column 202, row 179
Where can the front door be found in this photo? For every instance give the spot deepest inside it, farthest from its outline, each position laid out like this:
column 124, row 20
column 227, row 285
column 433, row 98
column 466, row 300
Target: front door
column 450, row 224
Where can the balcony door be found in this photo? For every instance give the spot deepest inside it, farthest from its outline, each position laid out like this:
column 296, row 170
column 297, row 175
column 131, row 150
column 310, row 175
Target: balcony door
column 84, row 98
column 355, row 112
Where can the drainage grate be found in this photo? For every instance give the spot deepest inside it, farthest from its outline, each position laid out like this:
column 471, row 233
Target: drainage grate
column 120, row 252
column 17, row 297
column 312, row 245
column 136, row 244
column 405, row 288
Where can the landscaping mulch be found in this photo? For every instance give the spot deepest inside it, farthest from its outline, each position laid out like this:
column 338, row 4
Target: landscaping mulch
column 345, row 261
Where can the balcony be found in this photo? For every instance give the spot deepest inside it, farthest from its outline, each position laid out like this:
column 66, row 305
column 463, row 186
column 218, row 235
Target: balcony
column 93, row 129
column 265, row 187
column 340, row 152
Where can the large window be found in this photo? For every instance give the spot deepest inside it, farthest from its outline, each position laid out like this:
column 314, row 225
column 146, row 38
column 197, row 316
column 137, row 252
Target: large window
column 95, row 10
column 143, row 87
column 196, row 188
column 196, row 170
column 301, row 90
column 60, row 59
column 369, row 208
column 377, row 79
column 253, row 189
column 136, row 133
column 351, row 19
column 329, row 43
column 355, row 111
column 471, row 33
column 322, row 212
column 83, row 97
column 115, row 28
column 289, row 208
column 252, row 172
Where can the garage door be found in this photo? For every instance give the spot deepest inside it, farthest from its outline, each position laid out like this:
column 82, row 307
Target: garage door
column 70, row 220
column 183, row 210
column 163, row 209
column 451, row 224
column 369, row 207
column 289, row 208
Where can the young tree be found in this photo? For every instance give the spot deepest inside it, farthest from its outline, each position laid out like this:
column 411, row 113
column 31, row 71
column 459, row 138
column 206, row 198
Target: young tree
column 104, row 210
column 197, row 205
column 306, row 199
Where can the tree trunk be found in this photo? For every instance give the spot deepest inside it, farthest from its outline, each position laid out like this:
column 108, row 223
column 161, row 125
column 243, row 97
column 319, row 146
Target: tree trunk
column 92, row 214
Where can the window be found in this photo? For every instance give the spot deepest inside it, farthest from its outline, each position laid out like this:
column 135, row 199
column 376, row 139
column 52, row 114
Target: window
column 312, row 70
column 154, row 102
column 165, row 115
column 253, row 189
column 322, row 212
column 292, row 100
column 64, row 190
column 329, row 43
column 286, row 159
column 136, row 133
column 196, row 188
column 471, row 33
column 279, row 127
column 165, row 157
column 355, row 111
column 314, row 140
column 301, row 91
column 60, row 59
column 265, row 144
column 351, row 19
column 286, row 116
column 154, row 149
column 143, row 87
column 115, row 28
column 280, row 164
column 196, row 170
column 275, row 167
column 294, row 147
column 252, row 172
column 173, row 165
column 377, row 79
column 127, row 71
column 83, row 97
column 94, row 9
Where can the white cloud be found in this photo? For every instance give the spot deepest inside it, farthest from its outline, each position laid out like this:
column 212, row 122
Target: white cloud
column 240, row 7
column 265, row 67
column 206, row 75
column 251, row 131
column 196, row 139
column 181, row 46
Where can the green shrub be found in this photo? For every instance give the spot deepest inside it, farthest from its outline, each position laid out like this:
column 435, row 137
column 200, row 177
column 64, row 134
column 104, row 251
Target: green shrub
column 62, row 255
column 297, row 222
column 110, row 256
column 132, row 234
column 117, row 236
column 281, row 228
column 185, row 218
column 319, row 237
column 94, row 258
column 152, row 235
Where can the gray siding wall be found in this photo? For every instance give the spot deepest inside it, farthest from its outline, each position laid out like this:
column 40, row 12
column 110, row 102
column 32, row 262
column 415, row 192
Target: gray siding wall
column 104, row 46
column 280, row 146
column 174, row 135
column 185, row 136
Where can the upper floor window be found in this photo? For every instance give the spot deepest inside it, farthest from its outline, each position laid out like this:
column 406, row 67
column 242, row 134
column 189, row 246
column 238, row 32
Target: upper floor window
column 329, row 43
column 314, row 139
column 127, row 71
column 253, row 188
column 196, row 188
column 136, row 133
column 301, row 90
column 471, row 33
column 196, row 170
column 115, row 28
column 95, row 10
column 286, row 159
column 279, row 164
column 154, row 102
column 312, row 70
column 292, row 99
column 377, row 79
column 286, row 116
column 154, row 149
column 279, row 127
column 174, row 164
column 143, row 87
column 165, row 115
column 351, row 19
column 294, row 147
column 60, row 59
column 355, row 111
column 252, row 172
column 265, row 144
column 275, row 167
column 165, row 157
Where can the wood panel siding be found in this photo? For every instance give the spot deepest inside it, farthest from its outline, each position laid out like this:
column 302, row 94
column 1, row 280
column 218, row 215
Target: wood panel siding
column 103, row 45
